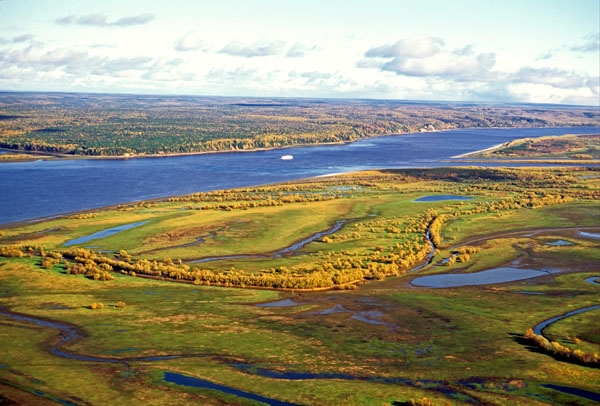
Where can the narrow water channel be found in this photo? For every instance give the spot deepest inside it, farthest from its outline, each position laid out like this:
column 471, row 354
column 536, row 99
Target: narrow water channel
column 69, row 333
column 289, row 250
column 539, row 328
column 190, row 381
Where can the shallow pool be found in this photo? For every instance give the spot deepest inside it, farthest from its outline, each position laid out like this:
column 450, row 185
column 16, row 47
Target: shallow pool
column 488, row 277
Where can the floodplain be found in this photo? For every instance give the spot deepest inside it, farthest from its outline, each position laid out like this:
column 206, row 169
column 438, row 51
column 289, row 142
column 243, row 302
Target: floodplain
column 194, row 292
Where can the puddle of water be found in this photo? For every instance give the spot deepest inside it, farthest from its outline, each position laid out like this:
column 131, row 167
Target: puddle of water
column 279, row 303
column 441, row 198
column 103, row 233
column 336, row 309
column 369, row 317
column 559, row 243
column 488, row 277
column 184, row 380
column 590, row 235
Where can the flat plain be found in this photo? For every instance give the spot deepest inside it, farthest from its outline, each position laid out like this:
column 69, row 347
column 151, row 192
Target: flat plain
column 301, row 293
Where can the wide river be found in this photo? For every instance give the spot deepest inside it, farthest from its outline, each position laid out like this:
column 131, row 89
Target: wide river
column 35, row 189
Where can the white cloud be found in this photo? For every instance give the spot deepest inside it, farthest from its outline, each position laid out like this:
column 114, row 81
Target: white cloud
column 557, row 78
column 101, row 20
column 470, row 73
column 591, row 44
column 190, row 42
column 299, row 50
column 257, row 49
column 168, row 70
column 64, row 61
column 17, row 39
column 416, row 47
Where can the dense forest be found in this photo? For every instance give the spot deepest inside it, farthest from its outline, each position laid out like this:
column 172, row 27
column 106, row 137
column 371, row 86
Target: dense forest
column 128, row 125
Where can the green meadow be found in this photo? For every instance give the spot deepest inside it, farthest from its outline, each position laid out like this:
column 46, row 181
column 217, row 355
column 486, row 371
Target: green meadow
column 301, row 293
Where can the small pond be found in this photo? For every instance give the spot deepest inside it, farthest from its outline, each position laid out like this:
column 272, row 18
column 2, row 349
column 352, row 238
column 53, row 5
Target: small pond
column 559, row 243
column 441, row 198
column 279, row 303
column 103, row 233
column 488, row 277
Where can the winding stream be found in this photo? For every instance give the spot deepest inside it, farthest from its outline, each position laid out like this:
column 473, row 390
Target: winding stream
column 190, row 381
column 281, row 252
column 542, row 325
column 70, row 333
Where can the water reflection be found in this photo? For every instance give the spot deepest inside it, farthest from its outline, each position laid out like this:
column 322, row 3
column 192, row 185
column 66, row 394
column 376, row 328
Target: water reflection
column 488, row 277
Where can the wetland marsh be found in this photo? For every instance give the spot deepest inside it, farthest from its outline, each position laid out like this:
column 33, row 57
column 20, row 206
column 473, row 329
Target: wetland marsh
column 336, row 320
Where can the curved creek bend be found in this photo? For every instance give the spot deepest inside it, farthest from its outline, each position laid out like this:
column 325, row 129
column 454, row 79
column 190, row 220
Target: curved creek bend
column 69, row 333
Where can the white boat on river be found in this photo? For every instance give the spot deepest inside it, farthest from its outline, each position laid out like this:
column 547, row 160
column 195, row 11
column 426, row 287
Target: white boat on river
column 287, row 157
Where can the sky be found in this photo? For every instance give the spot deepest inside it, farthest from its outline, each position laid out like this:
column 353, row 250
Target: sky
column 538, row 51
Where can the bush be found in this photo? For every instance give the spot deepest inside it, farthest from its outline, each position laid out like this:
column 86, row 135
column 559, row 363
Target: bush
column 11, row 252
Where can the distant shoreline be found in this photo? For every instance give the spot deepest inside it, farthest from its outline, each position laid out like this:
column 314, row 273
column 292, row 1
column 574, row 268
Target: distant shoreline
column 468, row 154
column 44, row 155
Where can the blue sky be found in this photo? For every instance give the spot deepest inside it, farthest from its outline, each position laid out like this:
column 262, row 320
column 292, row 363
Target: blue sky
column 543, row 51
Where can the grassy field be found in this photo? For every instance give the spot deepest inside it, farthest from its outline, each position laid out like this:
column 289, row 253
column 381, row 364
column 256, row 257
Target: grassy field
column 565, row 148
column 371, row 338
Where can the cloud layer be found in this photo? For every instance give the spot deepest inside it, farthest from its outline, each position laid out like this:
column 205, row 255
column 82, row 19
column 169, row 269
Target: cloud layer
column 428, row 58
column 101, row 20
column 257, row 49
column 93, row 51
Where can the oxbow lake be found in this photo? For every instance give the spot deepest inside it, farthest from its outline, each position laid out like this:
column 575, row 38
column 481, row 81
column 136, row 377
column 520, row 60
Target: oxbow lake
column 36, row 189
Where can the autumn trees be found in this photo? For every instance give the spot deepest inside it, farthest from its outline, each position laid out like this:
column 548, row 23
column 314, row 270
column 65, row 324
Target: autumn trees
column 562, row 351
column 381, row 233
column 125, row 125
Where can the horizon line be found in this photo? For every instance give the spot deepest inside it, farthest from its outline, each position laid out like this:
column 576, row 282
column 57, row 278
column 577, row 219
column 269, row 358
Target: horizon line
column 412, row 101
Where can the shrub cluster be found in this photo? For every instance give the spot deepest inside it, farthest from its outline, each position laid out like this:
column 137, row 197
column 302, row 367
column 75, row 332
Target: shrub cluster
column 560, row 350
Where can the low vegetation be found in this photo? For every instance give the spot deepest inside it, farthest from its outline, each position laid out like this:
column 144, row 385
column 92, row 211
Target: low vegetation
column 343, row 251
column 382, row 235
column 574, row 147
column 562, row 351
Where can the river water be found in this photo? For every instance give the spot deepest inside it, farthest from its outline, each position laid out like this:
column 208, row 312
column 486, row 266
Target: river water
column 30, row 190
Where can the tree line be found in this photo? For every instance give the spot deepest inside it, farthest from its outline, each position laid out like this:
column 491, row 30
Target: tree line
column 132, row 125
